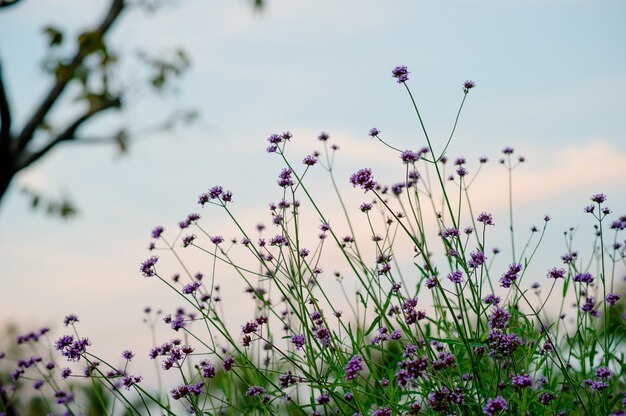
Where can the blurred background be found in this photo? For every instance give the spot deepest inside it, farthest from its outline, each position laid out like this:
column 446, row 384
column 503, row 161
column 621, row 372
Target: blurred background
column 551, row 83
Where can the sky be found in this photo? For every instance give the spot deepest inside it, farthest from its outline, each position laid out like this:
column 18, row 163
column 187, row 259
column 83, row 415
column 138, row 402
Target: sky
column 551, row 82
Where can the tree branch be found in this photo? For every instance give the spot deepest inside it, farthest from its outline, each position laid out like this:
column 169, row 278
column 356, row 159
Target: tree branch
column 5, row 115
column 68, row 134
column 38, row 117
column 7, row 3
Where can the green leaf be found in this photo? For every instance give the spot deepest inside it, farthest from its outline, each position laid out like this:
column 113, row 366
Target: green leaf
column 55, row 36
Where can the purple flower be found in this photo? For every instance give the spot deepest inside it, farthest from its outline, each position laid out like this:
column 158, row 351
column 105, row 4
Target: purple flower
column 491, row 299
column 309, row 160
column 431, row 282
column 71, row 348
column 589, row 304
column 374, row 132
column 63, row 397
column 127, row 355
column 287, row 379
column 511, row 275
column 546, row 397
column 365, row 207
column 352, row 368
column 255, row 391
column 603, row 372
column 249, row 327
column 442, row 398
column 461, row 171
column 228, row 363
column 612, row 298
column 495, row 406
column 507, row 150
column 596, row 385
column 468, row 85
column 583, row 277
column 322, row 334
column 65, row 373
column 409, row 156
column 157, row 231
column 208, row 370
column 456, row 277
column 401, row 73
column 128, row 381
column 190, row 288
column 186, row 389
column 147, row 267
column 275, row 139
column 383, row 411
column 37, row 384
column 521, row 380
column 70, row 319
column 598, row 198
column 499, row 318
column 284, row 178
column 445, row 359
column 555, row 273
column 502, row 345
column 298, row 340
column 363, row 179
column 278, row 240
column 217, row 239
column 216, row 192
column 323, row 137
column 188, row 240
column 485, row 218
column 323, row 398
column 477, row 259
column 450, row 232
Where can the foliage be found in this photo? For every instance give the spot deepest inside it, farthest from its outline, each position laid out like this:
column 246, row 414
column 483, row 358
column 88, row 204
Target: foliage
column 434, row 328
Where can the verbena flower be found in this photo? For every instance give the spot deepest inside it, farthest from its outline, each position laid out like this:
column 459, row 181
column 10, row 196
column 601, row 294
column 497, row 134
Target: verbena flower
column 468, row 85
column 409, row 156
column 401, row 74
column 127, row 355
column 613, row 298
column 456, row 277
column 555, row 273
column 255, row 391
column 363, row 179
column 485, row 218
column 521, row 380
column 499, row 318
column 511, row 275
column 495, row 406
column 598, row 198
column 147, row 267
column 157, row 231
column 298, row 340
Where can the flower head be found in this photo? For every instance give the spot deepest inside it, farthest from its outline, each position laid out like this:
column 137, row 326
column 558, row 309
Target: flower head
column 401, row 73
column 495, row 406
column 352, row 368
column 598, row 198
column 363, row 179
column 468, row 85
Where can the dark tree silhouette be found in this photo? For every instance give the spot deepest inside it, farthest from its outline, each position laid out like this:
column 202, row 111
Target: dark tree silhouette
column 88, row 67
